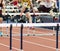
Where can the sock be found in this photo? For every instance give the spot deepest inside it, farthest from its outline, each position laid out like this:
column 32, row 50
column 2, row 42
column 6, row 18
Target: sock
column 1, row 33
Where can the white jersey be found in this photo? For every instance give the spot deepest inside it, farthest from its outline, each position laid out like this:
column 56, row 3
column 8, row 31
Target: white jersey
column 46, row 4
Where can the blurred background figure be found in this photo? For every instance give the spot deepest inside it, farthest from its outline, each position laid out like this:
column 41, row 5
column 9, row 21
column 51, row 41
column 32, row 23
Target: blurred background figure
column 57, row 3
column 1, row 18
column 14, row 2
column 47, row 5
column 31, row 6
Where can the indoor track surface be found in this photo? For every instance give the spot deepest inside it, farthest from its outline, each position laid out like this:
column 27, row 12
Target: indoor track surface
column 30, row 43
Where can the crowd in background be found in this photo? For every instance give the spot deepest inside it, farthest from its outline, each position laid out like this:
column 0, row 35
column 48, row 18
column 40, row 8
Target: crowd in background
column 38, row 6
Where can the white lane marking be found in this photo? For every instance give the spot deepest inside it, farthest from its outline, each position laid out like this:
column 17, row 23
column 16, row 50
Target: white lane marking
column 8, row 46
column 37, row 44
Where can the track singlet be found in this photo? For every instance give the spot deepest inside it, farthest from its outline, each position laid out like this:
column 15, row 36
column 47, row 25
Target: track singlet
column 26, row 3
column 1, row 8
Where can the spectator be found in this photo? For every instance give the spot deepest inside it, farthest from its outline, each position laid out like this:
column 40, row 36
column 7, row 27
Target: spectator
column 1, row 19
column 57, row 3
column 3, row 10
column 47, row 5
column 1, row 6
column 14, row 2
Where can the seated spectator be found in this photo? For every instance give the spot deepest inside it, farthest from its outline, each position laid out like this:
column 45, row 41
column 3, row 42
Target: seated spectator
column 47, row 5
column 14, row 2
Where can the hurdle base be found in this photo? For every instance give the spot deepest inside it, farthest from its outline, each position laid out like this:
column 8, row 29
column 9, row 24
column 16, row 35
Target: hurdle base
column 10, row 50
column 21, row 50
column 56, row 49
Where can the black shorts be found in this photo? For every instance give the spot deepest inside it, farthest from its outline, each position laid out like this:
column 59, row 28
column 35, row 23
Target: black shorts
column 44, row 9
column 0, row 15
column 26, row 10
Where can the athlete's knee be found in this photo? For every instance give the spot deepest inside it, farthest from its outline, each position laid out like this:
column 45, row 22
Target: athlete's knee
column 1, row 19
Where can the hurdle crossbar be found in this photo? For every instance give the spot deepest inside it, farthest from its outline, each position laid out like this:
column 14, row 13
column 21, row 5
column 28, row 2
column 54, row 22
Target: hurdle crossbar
column 10, row 9
column 30, row 13
column 22, row 25
column 29, row 24
column 49, row 34
column 11, row 6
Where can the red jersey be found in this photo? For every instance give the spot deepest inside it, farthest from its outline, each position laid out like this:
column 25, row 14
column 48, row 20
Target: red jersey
column 1, row 6
column 15, row 2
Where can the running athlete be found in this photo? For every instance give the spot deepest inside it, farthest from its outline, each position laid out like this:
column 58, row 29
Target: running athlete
column 1, row 18
column 26, row 9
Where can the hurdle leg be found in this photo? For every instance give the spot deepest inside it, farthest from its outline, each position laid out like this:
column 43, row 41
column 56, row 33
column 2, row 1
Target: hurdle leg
column 21, row 38
column 28, row 30
column 57, row 29
column 11, row 37
column 21, row 50
column 10, row 50
column 57, row 49
column 6, row 30
column 53, row 29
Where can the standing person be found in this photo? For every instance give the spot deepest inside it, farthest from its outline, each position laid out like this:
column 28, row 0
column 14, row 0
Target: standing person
column 1, row 18
column 4, row 3
column 26, row 9
column 58, row 5
column 1, row 6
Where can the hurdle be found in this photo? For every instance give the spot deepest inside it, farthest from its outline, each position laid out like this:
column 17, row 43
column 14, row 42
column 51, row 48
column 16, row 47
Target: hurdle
column 7, row 35
column 21, row 41
column 30, row 25
column 57, row 29
column 11, row 37
column 34, row 15
column 30, row 13
column 21, row 47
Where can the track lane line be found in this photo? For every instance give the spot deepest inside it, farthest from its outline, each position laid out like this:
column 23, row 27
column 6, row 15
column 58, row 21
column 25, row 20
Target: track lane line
column 37, row 44
column 46, row 39
column 8, row 46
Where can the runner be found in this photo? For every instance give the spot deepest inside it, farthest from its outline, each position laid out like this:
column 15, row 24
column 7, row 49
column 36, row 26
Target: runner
column 26, row 4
